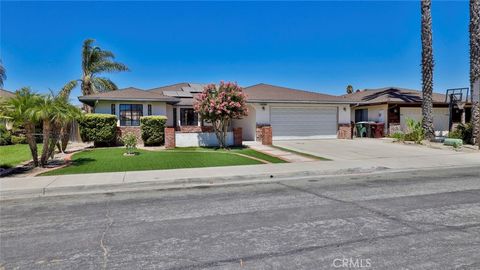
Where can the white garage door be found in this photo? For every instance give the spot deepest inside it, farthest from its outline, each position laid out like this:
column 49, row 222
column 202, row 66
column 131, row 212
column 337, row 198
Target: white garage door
column 440, row 118
column 303, row 123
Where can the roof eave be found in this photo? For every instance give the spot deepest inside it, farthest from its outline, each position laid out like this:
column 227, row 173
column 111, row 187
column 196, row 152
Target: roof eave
column 299, row 101
column 91, row 101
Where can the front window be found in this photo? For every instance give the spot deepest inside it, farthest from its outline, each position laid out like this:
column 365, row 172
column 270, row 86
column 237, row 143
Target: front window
column 361, row 115
column 130, row 114
column 149, row 109
column 112, row 109
column 188, row 117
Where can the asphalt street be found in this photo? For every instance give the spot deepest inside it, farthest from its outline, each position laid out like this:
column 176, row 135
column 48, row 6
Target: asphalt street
column 411, row 220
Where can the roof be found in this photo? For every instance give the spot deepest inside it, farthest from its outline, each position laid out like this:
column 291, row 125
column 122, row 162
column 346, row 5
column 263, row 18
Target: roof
column 6, row 94
column 181, row 90
column 391, row 95
column 130, row 94
column 271, row 93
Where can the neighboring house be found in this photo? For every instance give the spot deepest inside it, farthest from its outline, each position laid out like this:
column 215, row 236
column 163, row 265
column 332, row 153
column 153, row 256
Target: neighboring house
column 293, row 114
column 393, row 105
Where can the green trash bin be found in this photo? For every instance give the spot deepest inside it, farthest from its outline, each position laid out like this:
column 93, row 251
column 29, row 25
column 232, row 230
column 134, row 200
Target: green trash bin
column 361, row 130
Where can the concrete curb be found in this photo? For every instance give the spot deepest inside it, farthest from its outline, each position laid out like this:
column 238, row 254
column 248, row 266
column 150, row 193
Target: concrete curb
column 184, row 183
column 190, row 182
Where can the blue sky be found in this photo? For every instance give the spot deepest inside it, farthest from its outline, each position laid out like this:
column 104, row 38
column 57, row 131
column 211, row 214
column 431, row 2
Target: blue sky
column 319, row 46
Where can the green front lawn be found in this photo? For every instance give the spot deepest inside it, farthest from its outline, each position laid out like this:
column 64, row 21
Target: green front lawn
column 113, row 160
column 239, row 150
column 12, row 155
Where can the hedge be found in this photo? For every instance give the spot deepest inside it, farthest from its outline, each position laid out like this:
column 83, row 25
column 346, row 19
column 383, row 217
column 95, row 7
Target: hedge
column 101, row 129
column 152, row 128
column 5, row 135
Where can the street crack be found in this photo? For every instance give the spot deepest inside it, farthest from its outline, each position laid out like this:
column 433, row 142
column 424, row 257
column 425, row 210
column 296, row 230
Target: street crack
column 104, row 233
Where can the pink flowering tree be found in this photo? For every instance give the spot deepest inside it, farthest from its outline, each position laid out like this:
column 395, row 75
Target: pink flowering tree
column 220, row 104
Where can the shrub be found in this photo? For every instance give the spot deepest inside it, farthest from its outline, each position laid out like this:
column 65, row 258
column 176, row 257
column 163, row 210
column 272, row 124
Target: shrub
column 398, row 136
column 101, row 129
column 5, row 135
column 130, row 142
column 415, row 131
column 463, row 131
column 152, row 128
column 20, row 139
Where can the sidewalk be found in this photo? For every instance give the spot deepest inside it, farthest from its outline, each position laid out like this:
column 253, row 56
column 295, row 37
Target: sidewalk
column 183, row 178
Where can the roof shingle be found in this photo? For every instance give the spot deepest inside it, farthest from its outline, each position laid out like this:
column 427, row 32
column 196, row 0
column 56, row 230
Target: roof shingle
column 271, row 93
column 391, row 95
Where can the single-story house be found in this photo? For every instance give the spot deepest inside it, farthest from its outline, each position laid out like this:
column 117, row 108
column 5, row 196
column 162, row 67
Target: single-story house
column 292, row 113
column 393, row 105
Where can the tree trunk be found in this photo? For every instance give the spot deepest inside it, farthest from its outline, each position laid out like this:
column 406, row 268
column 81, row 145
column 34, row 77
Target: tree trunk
column 46, row 143
column 30, row 136
column 427, row 70
column 86, row 87
column 65, row 136
column 475, row 67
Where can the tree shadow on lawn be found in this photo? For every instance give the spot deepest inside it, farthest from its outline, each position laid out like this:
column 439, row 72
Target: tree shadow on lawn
column 82, row 161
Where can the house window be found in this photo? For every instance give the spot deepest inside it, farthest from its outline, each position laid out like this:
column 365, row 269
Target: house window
column 188, row 117
column 130, row 114
column 149, row 109
column 112, row 109
column 361, row 115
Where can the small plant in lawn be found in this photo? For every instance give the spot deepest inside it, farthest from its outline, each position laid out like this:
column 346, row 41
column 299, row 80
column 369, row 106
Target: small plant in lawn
column 130, row 142
column 219, row 105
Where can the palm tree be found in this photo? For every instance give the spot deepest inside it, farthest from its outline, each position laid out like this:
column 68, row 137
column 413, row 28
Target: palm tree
column 66, row 128
column 349, row 89
column 3, row 74
column 475, row 66
column 427, row 69
column 54, row 112
column 18, row 110
column 94, row 62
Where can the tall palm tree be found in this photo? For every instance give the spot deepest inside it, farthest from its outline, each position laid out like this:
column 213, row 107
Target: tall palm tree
column 18, row 110
column 96, row 61
column 3, row 74
column 475, row 66
column 427, row 69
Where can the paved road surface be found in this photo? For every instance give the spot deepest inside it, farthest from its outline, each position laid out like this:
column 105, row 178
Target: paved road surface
column 415, row 220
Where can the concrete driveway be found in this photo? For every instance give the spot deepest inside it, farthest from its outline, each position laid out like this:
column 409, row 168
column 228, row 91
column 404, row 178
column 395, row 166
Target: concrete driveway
column 364, row 149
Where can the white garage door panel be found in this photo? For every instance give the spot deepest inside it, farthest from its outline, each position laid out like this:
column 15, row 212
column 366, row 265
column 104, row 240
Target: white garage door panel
column 303, row 122
column 440, row 117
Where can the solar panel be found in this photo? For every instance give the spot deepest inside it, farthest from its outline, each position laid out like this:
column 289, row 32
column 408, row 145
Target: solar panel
column 183, row 94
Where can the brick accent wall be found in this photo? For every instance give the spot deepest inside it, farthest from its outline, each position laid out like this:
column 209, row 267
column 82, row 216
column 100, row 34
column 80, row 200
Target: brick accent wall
column 393, row 128
column 267, row 135
column 344, row 131
column 169, row 137
column 237, row 136
column 121, row 131
column 259, row 132
column 193, row 129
